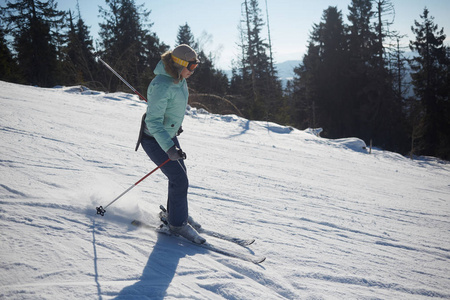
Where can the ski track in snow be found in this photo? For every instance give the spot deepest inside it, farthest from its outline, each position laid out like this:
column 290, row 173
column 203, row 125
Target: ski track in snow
column 333, row 221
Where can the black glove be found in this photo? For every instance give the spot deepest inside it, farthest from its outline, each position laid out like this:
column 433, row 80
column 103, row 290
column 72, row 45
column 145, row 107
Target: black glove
column 180, row 130
column 176, row 153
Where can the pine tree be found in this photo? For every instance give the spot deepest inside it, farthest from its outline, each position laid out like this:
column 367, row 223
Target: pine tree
column 398, row 136
column 362, row 59
column 35, row 28
column 260, row 85
column 362, row 36
column 8, row 66
column 127, row 44
column 323, row 76
column 343, row 84
column 185, row 36
column 377, row 108
column 79, row 63
column 334, row 112
column 383, row 9
column 305, row 88
column 431, row 86
column 384, row 112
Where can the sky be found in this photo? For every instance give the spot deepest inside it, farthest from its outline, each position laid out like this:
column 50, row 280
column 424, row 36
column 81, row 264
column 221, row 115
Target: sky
column 215, row 22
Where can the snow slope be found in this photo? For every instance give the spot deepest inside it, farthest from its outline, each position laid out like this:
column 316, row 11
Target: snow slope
column 334, row 221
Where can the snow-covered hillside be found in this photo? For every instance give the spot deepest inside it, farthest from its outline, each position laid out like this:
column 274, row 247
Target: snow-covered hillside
column 333, row 221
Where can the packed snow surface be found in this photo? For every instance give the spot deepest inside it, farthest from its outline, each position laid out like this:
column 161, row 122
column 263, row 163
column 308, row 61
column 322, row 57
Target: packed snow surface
column 334, row 221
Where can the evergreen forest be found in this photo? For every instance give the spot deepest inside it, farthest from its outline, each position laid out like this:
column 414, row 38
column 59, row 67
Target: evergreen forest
column 355, row 79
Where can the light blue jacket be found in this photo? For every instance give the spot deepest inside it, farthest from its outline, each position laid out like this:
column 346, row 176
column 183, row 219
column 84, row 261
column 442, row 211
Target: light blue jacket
column 167, row 103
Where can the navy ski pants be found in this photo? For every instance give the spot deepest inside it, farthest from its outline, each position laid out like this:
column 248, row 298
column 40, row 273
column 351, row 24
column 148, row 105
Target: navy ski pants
column 177, row 204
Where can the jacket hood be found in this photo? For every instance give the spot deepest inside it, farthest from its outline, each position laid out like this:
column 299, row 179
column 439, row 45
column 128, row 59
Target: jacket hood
column 160, row 70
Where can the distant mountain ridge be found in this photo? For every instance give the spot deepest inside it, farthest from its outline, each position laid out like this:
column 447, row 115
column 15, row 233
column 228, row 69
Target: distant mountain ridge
column 285, row 70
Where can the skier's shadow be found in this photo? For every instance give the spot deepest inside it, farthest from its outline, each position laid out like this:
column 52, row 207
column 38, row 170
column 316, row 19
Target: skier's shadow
column 158, row 273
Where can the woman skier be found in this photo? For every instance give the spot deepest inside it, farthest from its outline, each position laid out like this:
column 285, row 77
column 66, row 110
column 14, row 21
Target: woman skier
column 167, row 97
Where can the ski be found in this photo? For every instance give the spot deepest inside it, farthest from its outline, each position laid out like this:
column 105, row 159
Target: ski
column 227, row 252
column 238, row 241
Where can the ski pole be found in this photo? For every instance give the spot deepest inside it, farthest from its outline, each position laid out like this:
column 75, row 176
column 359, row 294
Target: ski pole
column 101, row 210
column 123, row 80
